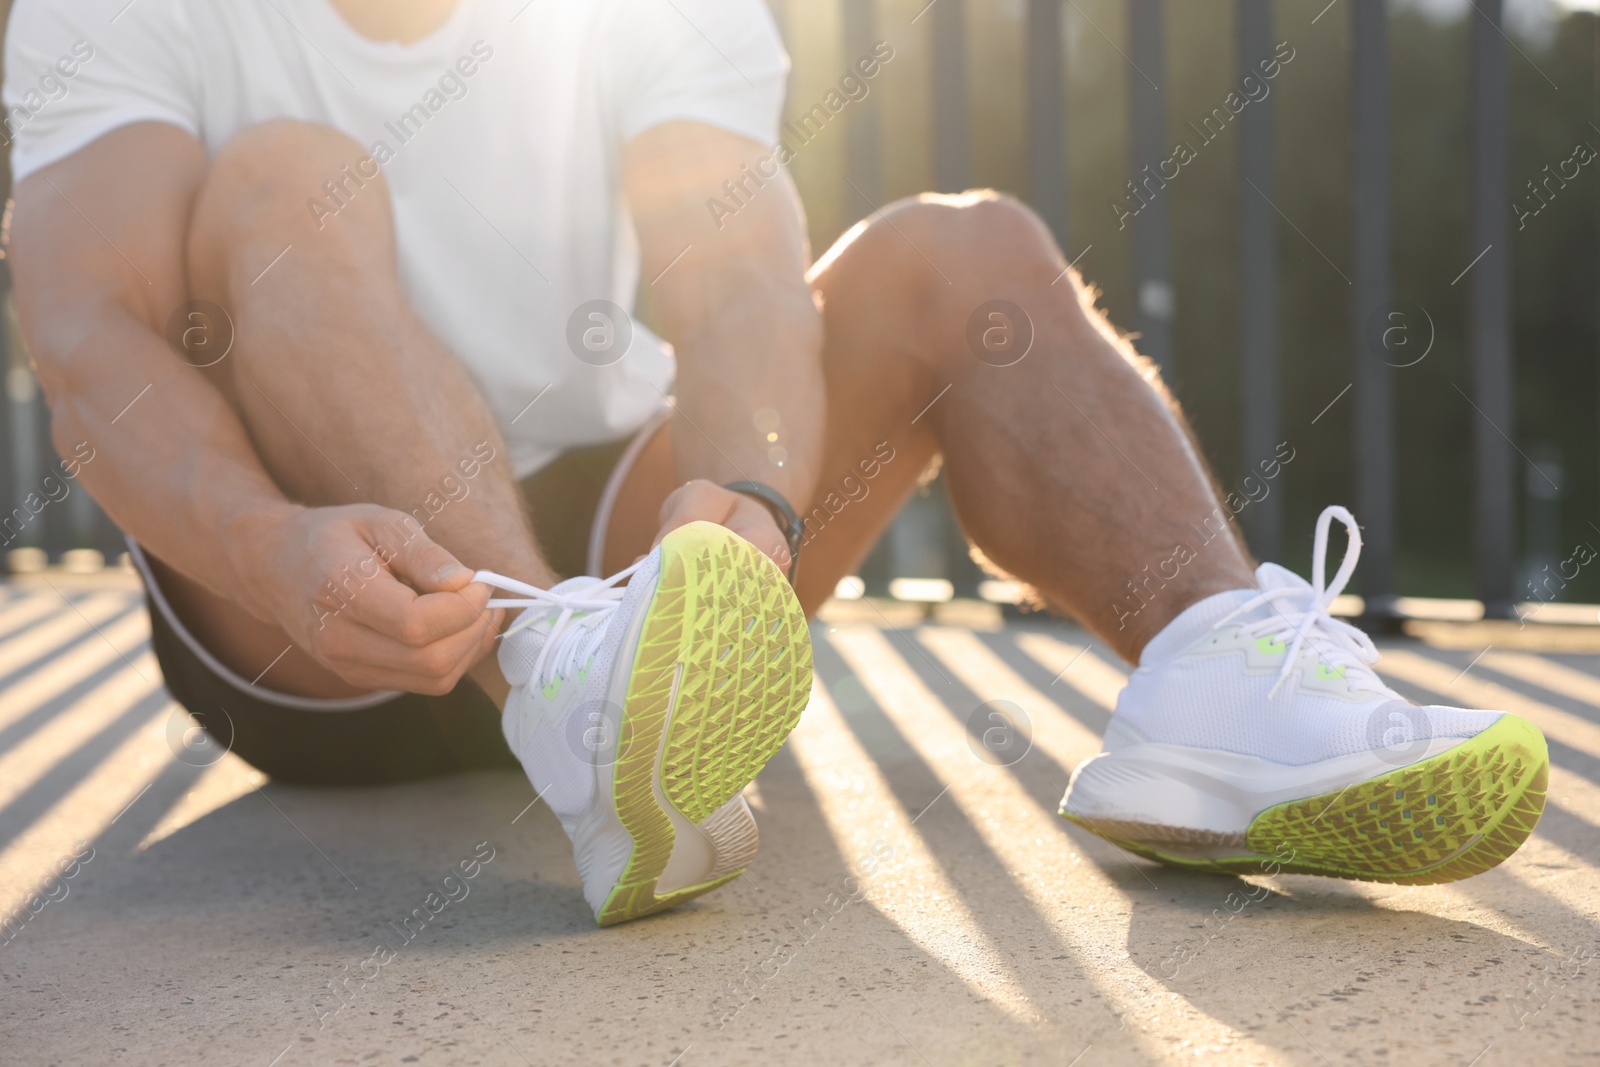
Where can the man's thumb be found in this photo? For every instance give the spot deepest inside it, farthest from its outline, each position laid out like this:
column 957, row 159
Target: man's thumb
column 428, row 567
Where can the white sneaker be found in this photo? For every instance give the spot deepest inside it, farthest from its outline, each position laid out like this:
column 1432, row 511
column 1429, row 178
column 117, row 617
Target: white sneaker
column 1255, row 732
column 641, row 713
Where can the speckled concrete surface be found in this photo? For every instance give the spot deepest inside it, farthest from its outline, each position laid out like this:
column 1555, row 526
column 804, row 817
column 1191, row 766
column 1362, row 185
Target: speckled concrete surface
column 912, row 904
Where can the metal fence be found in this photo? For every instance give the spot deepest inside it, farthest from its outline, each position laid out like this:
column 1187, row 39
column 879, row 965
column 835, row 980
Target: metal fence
column 1153, row 276
column 923, row 540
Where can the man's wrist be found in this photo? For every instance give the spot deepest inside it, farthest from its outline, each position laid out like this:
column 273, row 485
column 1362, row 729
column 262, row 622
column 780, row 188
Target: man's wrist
column 252, row 539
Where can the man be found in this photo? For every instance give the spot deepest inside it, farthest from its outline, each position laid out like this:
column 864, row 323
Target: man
column 336, row 290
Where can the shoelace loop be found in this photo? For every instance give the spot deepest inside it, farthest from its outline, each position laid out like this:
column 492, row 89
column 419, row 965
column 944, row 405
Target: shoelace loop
column 1305, row 612
column 581, row 615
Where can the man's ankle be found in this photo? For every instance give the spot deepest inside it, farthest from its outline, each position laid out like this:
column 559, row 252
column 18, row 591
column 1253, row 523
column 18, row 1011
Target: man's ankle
column 1142, row 626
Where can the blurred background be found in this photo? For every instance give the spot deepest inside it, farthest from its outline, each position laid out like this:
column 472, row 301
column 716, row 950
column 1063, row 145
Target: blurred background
column 1413, row 158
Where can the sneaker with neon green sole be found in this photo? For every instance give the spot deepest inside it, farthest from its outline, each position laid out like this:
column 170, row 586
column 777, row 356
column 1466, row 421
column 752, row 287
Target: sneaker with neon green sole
column 641, row 712
column 1254, row 732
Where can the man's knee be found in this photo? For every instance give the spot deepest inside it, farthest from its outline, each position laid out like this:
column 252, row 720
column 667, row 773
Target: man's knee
column 939, row 250
column 288, row 178
column 973, row 230
column 288, row 160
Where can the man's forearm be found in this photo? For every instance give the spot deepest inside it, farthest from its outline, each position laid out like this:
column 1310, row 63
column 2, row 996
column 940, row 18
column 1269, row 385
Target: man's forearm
column 734, row 301
column 173, row 463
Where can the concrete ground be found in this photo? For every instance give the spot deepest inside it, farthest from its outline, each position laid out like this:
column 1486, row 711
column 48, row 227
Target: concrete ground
column 912, row 903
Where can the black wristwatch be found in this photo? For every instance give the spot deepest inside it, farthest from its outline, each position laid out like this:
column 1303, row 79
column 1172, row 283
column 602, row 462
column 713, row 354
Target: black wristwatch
column 793, row 527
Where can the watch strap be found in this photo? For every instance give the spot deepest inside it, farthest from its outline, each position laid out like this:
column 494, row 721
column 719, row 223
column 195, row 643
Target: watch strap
column 789, row 521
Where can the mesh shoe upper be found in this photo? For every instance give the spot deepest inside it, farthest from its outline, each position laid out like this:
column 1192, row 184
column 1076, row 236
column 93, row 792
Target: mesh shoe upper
column 1266, row 672
column 559, row 721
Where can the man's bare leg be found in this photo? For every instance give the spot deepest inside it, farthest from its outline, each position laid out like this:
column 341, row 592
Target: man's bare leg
column 347, row 395
column 1070, row 469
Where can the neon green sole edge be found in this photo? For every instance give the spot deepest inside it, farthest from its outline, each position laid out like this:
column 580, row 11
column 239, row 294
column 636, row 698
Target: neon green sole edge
column 724, row 629
column 1442, row 819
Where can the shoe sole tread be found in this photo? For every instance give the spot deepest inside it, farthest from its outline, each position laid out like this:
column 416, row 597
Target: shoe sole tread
column 1454, row 815
column 725, row 631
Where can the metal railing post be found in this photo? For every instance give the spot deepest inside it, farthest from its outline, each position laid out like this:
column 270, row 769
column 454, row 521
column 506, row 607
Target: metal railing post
column 1259, row 372
column 1370, row 310
column 952, row 132
column 1492, row 384
column 27, row 458
column 1152, row 225
column 1047, row 147
column 863, row 163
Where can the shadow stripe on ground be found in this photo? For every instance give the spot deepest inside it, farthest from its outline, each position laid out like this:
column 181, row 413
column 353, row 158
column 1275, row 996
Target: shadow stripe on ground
column 919, row 791
column 78, row 765
column 27, row 652
column 60, row 680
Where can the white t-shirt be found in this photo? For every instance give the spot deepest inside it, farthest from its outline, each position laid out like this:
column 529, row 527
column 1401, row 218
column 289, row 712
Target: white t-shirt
column 499, row 136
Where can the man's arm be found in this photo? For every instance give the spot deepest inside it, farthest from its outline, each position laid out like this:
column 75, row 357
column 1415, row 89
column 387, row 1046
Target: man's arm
column 97, row 244
column 98, row 251
column 739, row 311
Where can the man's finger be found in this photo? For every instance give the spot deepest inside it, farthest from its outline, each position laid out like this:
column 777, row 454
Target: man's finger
column 364, row 656
column 704, row 501
column 396, row 612
column 429, row 567
column 693, row 502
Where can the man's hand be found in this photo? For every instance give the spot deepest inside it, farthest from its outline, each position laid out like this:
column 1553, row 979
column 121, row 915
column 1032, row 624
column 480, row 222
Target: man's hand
column 744, row 515
column 371, row 598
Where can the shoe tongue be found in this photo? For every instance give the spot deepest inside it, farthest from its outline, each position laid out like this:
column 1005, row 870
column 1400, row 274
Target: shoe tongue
column 1198, row 619
column 1272, row 576
column 520, row 651
column 573, row 585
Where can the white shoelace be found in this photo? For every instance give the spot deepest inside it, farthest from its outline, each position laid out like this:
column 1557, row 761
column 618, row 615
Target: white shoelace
column 581, row 615
column 1304, row 613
